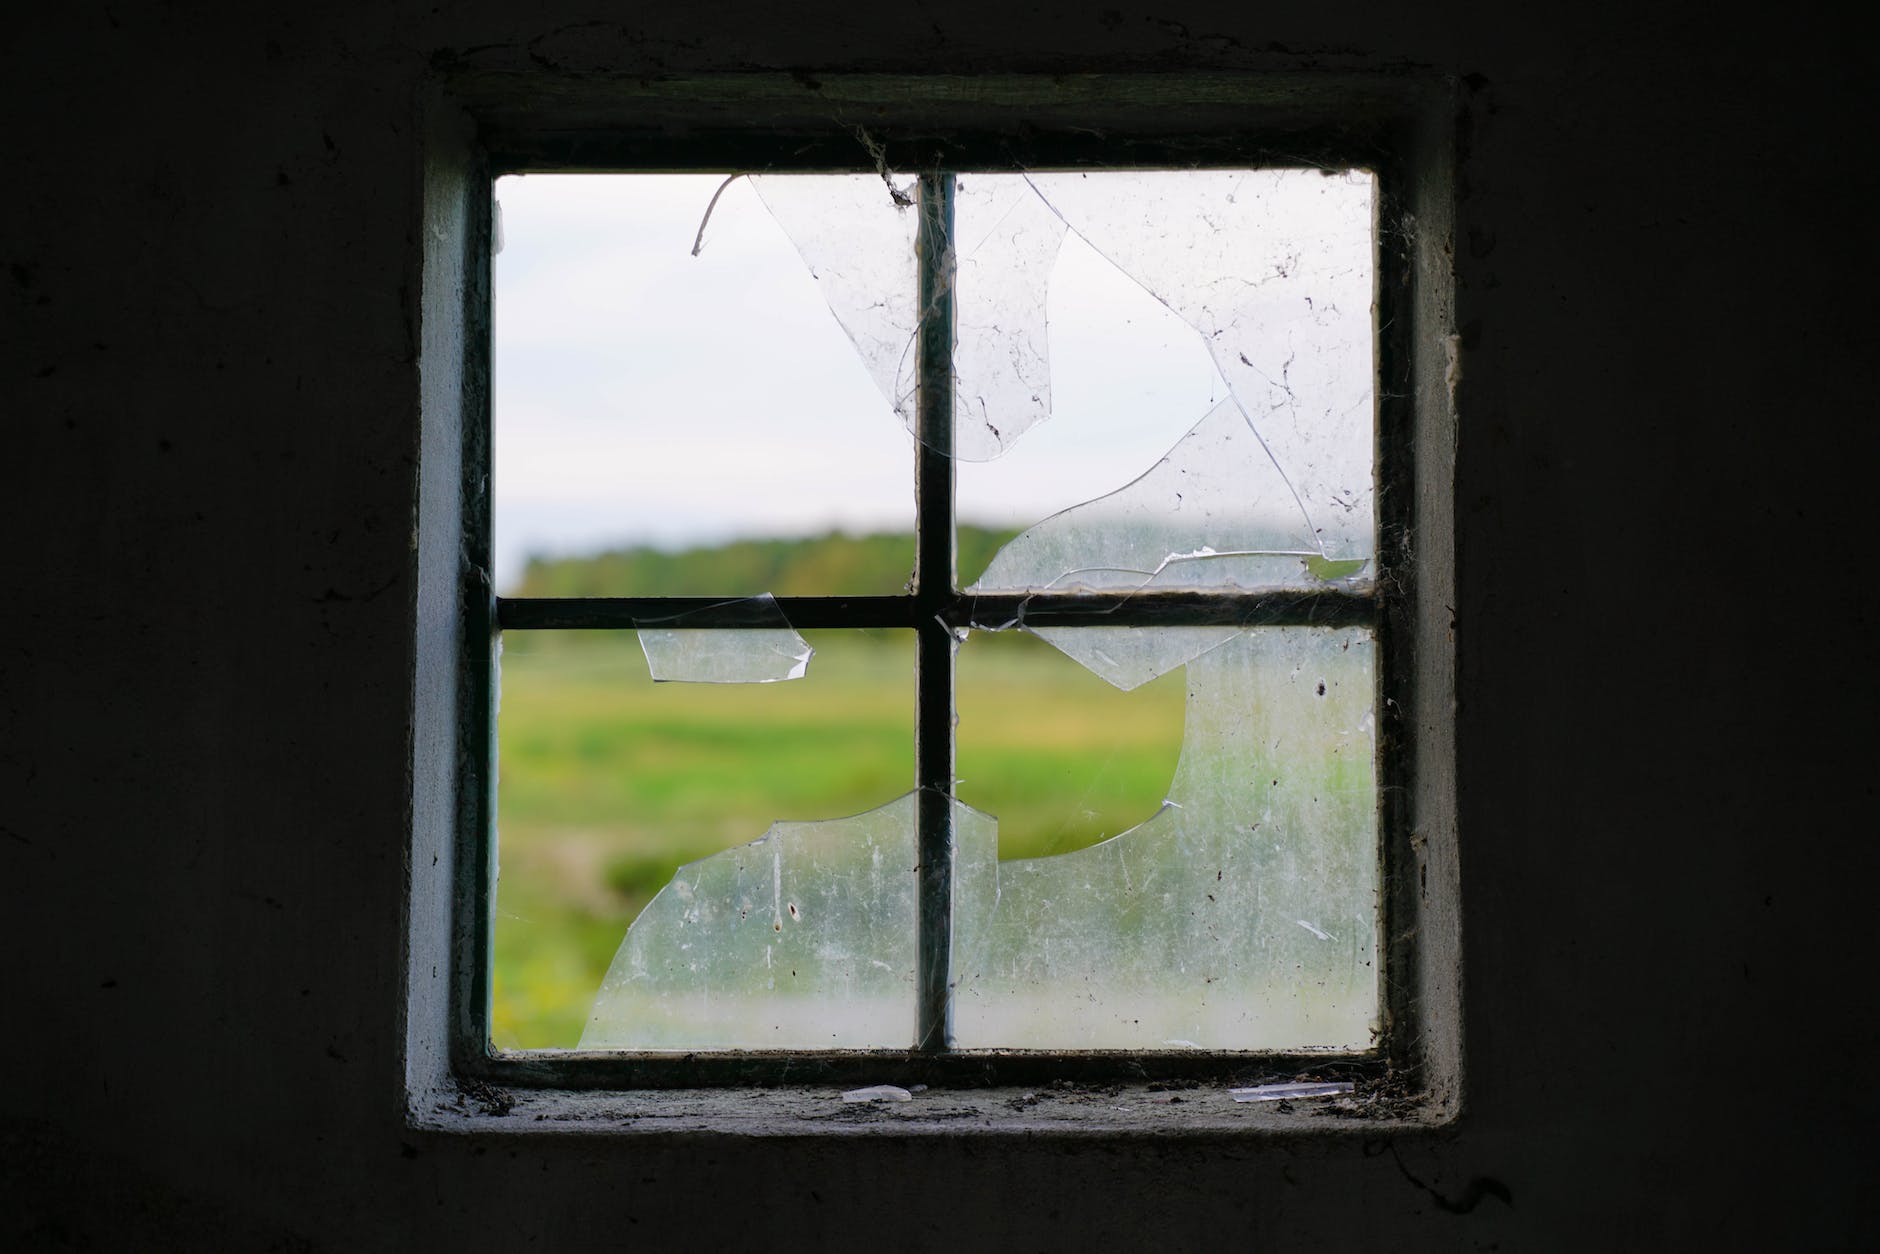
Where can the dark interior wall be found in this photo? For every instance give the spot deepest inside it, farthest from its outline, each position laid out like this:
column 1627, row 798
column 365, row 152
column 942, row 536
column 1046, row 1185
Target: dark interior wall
column 208, row 350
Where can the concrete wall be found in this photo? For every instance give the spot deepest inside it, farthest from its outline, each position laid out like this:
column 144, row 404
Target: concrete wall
column 208, row 348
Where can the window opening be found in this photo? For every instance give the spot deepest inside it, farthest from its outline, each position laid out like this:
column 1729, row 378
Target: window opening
column 1242, row 913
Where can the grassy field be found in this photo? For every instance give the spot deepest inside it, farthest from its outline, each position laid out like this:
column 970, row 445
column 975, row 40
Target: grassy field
column 609, row 782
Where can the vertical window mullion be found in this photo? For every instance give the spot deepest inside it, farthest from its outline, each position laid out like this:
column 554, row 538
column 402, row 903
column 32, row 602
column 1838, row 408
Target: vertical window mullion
column 933, row 588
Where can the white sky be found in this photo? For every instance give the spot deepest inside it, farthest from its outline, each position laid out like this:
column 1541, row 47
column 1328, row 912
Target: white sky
column 644, row 395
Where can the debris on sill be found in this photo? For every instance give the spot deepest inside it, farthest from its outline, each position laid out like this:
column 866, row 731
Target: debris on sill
column 488, row 1099
column 1384, row 1097
column 882, row 1093
column 1290, row 1092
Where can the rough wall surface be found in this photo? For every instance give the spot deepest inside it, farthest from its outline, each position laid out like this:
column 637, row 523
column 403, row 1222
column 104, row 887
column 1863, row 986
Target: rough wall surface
column 207, row 354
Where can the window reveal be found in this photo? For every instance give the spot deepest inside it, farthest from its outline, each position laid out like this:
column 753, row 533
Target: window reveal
column 1243, row 914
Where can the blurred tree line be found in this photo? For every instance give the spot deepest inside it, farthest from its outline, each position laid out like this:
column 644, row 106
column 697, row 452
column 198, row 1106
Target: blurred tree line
column 834, row 564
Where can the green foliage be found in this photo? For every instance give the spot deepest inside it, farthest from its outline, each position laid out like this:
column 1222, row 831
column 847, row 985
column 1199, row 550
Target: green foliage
column 1325, row 569
column 637, row 875
column 832, row 564
column 610, row 782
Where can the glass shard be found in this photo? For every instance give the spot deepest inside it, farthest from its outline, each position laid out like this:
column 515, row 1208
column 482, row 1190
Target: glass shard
column 1131, row 656
column 1185, row 928
column 802, row 939
column 1214, row 513
column 1290, row 1092
column 1128, row 380
column 676, row 653
column 859, row 246
column 1273, row 269
column 1006, row 241
column 879, row 1093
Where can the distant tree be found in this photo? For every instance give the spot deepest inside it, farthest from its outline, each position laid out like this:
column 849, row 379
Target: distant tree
column 834, row 563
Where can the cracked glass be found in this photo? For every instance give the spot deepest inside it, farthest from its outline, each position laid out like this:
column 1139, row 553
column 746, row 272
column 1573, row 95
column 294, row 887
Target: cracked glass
column 1240, row 912
column 1158, row 826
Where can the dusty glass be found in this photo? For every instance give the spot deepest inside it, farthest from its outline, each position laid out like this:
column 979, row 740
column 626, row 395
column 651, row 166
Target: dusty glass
column 1164, row 402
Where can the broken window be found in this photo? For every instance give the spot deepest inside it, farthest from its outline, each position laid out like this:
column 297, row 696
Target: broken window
column 1000, row 549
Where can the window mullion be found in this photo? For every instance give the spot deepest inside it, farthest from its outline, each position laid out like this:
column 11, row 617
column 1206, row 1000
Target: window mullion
column 1280, row 607
column 934, row 593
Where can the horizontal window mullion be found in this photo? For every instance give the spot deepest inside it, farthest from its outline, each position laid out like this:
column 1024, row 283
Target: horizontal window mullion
column 1142, row 609
column 1164, row 609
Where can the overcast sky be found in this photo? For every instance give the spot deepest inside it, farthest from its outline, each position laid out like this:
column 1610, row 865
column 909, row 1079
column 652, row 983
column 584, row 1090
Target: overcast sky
column 646, row 395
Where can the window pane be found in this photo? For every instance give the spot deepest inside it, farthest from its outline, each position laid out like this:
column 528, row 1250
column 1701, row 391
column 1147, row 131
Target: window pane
column 657, row 402
column 1187, row 815
column 1211, row 355
column 609, row 783
column 1242, row 915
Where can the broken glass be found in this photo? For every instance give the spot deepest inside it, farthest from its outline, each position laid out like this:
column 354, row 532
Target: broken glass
column 741, row 655
column 1006, row 242
column 802, row 939
column 879, row 1093
column 1273, row 269
column 1214, row 513
column 1129, row 379
column 1131, row 656
column 859, row 240
column 1291, row 1092
column 1240, row 911
column 1242, row 915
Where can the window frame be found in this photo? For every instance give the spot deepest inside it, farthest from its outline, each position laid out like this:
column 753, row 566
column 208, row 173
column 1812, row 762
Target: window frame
column 1393, row 127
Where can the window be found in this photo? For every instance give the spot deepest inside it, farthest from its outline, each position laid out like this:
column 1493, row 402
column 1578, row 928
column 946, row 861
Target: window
column 1259, row 563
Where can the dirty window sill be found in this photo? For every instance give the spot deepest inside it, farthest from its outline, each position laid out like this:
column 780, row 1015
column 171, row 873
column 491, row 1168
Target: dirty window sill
column 1152, row 1110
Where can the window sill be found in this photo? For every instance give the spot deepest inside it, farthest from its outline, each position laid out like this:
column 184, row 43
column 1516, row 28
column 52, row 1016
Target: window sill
column 1109, row 1111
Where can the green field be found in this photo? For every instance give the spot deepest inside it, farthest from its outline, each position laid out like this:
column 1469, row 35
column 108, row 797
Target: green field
column 609, row 782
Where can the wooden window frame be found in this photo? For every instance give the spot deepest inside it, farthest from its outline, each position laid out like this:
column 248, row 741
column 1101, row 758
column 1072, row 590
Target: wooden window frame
column 1397, row 127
